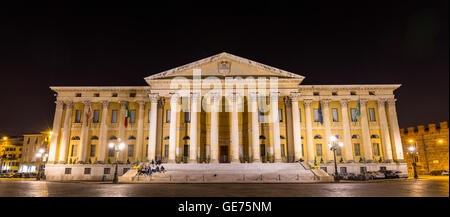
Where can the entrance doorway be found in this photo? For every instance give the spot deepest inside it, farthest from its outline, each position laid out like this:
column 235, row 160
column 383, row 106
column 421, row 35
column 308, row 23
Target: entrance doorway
column 223, row 154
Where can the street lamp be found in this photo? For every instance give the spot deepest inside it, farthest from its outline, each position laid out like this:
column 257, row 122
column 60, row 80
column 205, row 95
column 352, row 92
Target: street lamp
column 334, row 147
column 412, row 150
column 117, row 148
column 40, row 156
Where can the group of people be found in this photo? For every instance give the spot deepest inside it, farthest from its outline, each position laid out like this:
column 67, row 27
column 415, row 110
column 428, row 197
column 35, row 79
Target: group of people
column 150, row 167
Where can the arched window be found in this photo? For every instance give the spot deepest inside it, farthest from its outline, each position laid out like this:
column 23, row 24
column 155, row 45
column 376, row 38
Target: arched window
column 146, row 138
column 112, row 138
column 262, row 137
column 317, row 137
column 337, row 136
column 166, row 138
column 131, row 138
column 282, row 137
column 355, row 136
column 374, row 136
column 94, row 138
column 76, row 138
column 186, row 138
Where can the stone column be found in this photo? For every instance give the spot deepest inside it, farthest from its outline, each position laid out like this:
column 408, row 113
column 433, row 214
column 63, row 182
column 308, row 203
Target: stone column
column 140, row 130
column 159, row 128
column 123, row 107
column 275, row 126
column 56, row 131
column 309, row 134
column 66, row 133
column 365, row 132
column 103, row 133
column 327, row 125
column 234, row 130
column 151, row 152
column 253, row 100
column 296, row 127
column 173, row 127
column 384, row 129
column 84, row 134
column 348, row 145
column 214, row 129
column 395, row 131
column 195, row 97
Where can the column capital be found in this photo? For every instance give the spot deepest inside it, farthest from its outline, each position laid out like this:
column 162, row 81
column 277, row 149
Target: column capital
column 153, row 97
column 274, row 96
column 294, row 97
column 214, row 97
column 68, row 103
column 325, row 102
column 174, row 98
column 123, row 103
column 381, row 101
column 344, row 102
column 141, row 104
column 105, row 103
column 363, row 101
column 391, row 101
column 195, row 96
column 253, row 96
column 59, row 103
column 307, row 102
column 161, row 103
column 88, row 103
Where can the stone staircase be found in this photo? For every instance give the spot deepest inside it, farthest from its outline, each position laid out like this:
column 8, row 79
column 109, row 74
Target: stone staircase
column 230, row 173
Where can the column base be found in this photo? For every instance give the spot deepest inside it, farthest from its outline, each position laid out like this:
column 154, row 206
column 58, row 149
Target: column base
column 100, row 162
column 388, row 161
column 369, row 161
column 213, row 161
column 256, row 161
column 62, row 162
column 350, row 161
column 192, row 161
column 170, row 161
column 236, row 161
column 278, row 161
column 80, row 162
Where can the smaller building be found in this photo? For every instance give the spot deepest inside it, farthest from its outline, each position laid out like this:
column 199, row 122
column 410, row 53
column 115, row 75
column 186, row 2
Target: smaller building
column 431, row 145
column 10, row 154
column 33, row 145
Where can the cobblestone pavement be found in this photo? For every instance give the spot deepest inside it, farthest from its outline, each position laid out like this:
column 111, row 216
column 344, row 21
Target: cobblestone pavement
column 426, row 187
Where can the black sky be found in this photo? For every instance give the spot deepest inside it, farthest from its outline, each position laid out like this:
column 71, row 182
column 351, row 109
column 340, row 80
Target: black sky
column 66, row 47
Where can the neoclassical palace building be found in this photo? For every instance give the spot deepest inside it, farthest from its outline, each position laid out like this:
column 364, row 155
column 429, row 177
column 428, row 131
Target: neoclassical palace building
column 224, row 109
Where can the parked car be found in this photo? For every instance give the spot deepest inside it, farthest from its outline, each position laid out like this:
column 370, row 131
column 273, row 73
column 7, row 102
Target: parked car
column 439, row 173
column 389, row 174
column 364, row 176
column 347, row 176
column 399, row 174
column 377, row 175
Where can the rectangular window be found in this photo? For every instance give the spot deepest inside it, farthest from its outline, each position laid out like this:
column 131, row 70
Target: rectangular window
column 186, row 151
column 357, row 149
column 149, row 116
column 283, row 153
column 77, row 116
column 335, row 114
column 87, row 171
column 187, row 116
column 146, row 150
column 96, row 117
column 343, row 170
column 316, row 115
column 166, row 150
column 110, row 152
column 372, row 115
column 362, row 170
column 74, row 151
column 376, row 149
column 262, row 149
column 280, row 115
column 319, row 149
column 300, row 115
column 168, row 116
column 261, row 116
column 114, row 116
column 106, row 171
column 130, row 150
column 132, row 116
column 92, row 152
column 353, row 114
column 68, row 171
column 339, row 151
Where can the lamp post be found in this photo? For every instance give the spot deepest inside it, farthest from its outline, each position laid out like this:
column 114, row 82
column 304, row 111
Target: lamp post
column 119, row 146
column 412, row 150
column 334, row 147
column 40, row 156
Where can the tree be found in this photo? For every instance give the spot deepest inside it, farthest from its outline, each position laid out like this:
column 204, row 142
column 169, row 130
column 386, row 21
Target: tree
column 342, row 160
column 128, row 160
column 70, row 161
column 360, row 159
column 109, row 160
column 90, row 161
column 321, row 160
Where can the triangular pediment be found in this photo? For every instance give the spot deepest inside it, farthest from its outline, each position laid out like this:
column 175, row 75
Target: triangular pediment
column 225, row 65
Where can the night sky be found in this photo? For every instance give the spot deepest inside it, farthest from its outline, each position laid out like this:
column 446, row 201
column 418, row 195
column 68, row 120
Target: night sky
column 119, row 47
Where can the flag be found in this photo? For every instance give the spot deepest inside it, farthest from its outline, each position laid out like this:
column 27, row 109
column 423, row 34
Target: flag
column 127, row 115
column 320, row 113
column 357, row 110
column 88, row 115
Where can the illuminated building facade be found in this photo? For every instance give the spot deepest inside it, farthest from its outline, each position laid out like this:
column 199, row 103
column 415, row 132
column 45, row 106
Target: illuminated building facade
column 10, row 154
